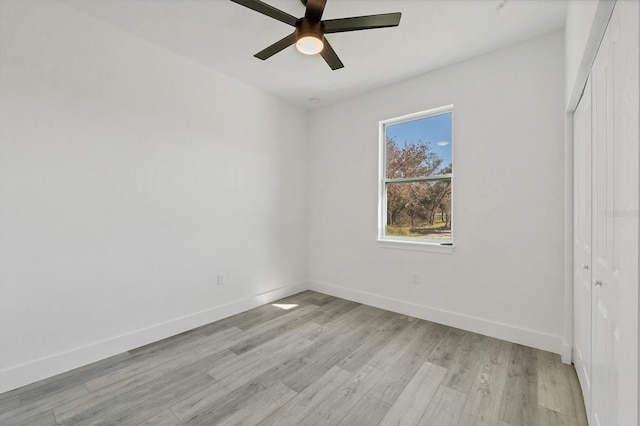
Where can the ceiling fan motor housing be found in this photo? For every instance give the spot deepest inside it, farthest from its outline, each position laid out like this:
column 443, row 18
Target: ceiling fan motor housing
column 308, row 28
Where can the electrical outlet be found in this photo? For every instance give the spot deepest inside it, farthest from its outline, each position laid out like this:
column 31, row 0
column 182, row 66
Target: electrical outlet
column 416, row 279
column 220, row 279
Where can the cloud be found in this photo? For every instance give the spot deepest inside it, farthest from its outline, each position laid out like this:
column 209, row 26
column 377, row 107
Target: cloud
column 442, row 143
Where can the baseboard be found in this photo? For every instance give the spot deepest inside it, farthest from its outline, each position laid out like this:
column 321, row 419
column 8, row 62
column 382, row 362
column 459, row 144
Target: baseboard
column 486, row 327
column 33, row 371
column 566, row 353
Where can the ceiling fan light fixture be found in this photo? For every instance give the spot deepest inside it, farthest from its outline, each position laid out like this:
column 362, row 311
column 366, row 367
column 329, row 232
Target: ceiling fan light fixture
column 309, row 37
column 309, row 45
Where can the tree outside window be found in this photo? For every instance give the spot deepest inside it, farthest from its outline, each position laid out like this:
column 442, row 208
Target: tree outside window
column 417, row 177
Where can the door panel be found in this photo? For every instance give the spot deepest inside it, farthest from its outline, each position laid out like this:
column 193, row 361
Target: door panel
column 605, row 295
column 625, row 64
column 606, row 349
column 582, row 244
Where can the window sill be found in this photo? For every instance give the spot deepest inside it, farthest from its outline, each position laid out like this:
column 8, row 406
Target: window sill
column 414, row 245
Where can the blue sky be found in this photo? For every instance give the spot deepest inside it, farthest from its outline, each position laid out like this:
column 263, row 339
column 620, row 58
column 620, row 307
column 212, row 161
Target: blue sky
column 431, row 129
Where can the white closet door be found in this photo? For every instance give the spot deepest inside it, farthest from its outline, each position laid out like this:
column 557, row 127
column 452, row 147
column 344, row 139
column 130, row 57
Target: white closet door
column 605, row 337
column 608, row 367
column 625, row 67
column 582, row 243
column 614, row 382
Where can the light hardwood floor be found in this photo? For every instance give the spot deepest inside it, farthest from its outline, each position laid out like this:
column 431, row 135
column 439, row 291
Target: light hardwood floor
column 325, row 361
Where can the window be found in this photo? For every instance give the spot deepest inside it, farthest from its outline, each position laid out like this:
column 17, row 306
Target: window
column 416, row 172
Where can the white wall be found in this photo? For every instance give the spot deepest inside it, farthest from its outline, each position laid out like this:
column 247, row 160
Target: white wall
column 130, row 177
column 506, row 275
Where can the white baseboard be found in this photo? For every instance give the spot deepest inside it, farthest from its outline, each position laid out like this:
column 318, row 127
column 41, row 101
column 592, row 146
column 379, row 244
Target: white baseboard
column 43, row 368
column 510, row 333
column 566, row 353
column 24, row 374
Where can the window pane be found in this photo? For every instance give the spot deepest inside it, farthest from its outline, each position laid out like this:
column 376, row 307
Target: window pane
column 420, row 147
column 420, row 210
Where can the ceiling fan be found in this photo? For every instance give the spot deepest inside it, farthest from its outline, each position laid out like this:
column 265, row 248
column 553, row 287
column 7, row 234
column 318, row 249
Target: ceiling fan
column 310, row 30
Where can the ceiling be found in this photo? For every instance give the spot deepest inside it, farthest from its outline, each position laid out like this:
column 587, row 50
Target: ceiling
column 433, row 33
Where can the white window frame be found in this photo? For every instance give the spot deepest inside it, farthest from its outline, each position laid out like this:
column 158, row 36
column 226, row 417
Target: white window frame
column 409, row 243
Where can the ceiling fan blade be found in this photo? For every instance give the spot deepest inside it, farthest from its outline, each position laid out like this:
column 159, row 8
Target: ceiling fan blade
column 361, row 23
column 314, row 10
column 330, row 56
column 268, row 10
column 276, row 47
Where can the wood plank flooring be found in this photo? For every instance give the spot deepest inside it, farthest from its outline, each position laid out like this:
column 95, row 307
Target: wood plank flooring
column 324, row 361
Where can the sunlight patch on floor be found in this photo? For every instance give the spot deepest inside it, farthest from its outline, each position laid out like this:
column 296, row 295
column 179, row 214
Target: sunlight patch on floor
column 286, row 306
